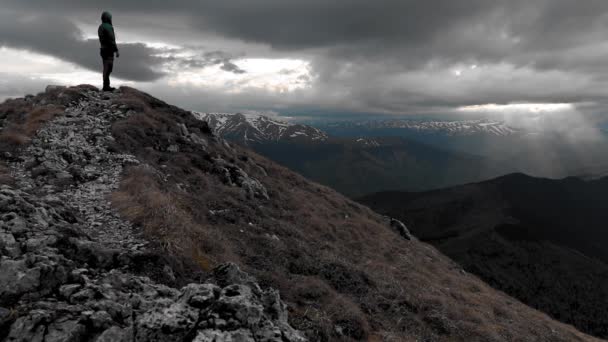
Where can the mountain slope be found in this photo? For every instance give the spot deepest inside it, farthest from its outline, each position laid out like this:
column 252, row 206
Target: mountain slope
column 539, row 240
column 356, row 166
column 198, row 201
column 72, row 270
column 363, row 166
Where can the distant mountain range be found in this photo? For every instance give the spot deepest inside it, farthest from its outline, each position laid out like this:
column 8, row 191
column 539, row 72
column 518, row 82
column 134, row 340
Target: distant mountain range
column 553, row 154
column 354, row 165
column 540, row 240
column 450, row 128
column 250, row 128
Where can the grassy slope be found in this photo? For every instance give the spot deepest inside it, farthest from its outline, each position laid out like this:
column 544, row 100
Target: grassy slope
column 345, row 274
column 539, row 240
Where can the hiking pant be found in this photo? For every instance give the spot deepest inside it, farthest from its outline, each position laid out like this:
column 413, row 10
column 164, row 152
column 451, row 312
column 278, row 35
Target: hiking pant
column 108, row 66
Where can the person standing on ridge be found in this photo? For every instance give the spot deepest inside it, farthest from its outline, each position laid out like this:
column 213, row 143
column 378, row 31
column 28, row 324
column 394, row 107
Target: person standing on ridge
column 107, row 39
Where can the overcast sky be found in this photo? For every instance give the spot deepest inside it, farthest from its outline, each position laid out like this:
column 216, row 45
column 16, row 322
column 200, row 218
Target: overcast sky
column 322, row 57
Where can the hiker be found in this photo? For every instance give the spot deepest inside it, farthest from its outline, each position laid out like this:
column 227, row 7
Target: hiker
column 107, row 39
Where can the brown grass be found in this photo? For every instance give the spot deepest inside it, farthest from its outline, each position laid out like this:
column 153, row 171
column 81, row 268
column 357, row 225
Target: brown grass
column 37, row 117
column 13, row 137
column 163, row 216
column 21, row 120
column 20, row 132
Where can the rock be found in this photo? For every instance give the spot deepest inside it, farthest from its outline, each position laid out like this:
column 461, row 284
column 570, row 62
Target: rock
column 8, row 245
column 65, row 331
column 240, row 335
column 171, row 323
column 199, row 295
column 195, row 138
column 14, row 223
column 66, row 291
column 401, row 229
column 16, row 279
column 82, row 296
column 230, row 273
column 114, row 334
column 101, row 320
column 233, row 175
column 29, row 328
column 183, row 129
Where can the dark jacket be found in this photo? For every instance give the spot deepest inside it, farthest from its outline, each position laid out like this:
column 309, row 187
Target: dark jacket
column 107, row 38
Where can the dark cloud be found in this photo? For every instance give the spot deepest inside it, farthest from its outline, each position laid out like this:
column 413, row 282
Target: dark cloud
column 206, row 59
column 381, row 55
column 59, row 37
column 231, row 67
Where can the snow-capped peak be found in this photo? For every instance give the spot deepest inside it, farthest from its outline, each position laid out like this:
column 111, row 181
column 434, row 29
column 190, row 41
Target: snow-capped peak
column 258, row 128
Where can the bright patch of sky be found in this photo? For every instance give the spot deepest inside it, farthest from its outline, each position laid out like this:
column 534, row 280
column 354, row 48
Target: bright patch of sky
column 272, row 75
column 518, row 108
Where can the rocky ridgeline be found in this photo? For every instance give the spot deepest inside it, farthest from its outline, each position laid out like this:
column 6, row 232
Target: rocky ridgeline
column 69, row 160
column 67, row 258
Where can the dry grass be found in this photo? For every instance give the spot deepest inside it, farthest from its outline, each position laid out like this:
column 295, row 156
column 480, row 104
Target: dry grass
column 142, row 200
column 20, row 132
column 37, row 117
column 13, row 137
column 21, row 119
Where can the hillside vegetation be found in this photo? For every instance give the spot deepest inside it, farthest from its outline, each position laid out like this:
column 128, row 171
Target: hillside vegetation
column 343, row 271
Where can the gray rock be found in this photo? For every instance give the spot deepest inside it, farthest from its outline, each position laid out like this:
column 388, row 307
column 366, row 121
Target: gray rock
column 183, row 129
column 240, row 335
column 401, row 229
column 199, row 295
column 235, row 176
column 8, row 245
column 171, row 323
column 29, row 328
column 114, row 334
column 195, row 138
column 65, row 330
column 66, row 291
column 101, row 320
column 14, row 223
column 16, row 279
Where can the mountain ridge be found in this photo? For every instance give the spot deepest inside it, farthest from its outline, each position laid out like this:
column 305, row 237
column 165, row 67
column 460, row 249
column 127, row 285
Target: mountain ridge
column 200, row 201
column 252, row 128
column 453, row 128
column 359, row 165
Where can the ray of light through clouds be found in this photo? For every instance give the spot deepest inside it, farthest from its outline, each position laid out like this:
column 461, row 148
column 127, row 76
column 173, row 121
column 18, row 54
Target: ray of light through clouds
column 540, row 60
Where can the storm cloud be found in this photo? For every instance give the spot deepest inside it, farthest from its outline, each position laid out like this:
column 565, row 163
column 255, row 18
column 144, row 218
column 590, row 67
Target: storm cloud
column 397, row 56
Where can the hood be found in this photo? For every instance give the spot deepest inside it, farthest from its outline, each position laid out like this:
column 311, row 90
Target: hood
column 106, row 17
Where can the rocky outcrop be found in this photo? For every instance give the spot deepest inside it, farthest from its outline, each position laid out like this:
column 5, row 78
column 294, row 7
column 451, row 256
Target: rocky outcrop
column 67, row 258
column 401, row 228
column 235, row 176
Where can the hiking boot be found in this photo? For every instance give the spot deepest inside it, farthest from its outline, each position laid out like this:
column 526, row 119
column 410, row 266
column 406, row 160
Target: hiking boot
column 108, row 89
